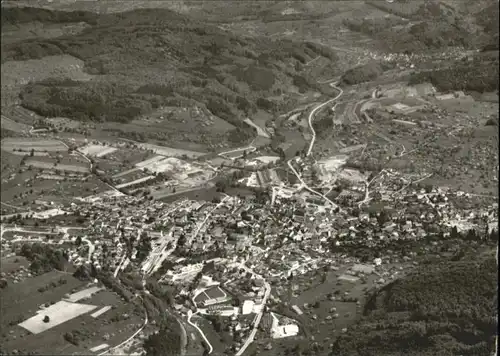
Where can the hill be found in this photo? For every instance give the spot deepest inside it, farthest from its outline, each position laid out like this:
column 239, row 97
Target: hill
column 419, row 26
column 443, row 309
column 144, row 59
column 477, row 73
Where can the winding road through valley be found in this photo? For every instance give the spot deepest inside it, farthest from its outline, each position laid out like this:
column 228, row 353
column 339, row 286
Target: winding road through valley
column 313, row 140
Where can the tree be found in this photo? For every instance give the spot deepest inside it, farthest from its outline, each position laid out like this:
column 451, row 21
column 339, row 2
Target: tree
column 165, row 342
column 32, row 152
column 46, row 319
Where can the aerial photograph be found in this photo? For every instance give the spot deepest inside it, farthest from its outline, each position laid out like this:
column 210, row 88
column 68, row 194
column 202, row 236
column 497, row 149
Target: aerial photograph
column 249, row 177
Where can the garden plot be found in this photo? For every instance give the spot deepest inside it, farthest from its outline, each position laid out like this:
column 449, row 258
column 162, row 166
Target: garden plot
column 96, row 150
column 58, row 313
column 26, row 145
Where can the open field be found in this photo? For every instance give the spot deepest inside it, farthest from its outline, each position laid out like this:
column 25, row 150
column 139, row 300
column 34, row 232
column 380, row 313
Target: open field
column 53, row 166
column 19, row 300
column 13, row 263
column 96, row 150
column 40, row 30
column 26, row 145
column 9, row 124
column 111, row 327
column 43, row 190
column 210, row 333
column 260, row 130
column 134, row 182
column 59, row 313
column 130, row 175
column 215, row 292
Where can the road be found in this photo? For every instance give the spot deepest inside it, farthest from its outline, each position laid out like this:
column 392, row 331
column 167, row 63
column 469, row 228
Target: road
column 131, row 337
column 305, row 186
column 311, row 116
column 12, row 206
column 190, row 315
column 90, row 245
column 313, row 139
column 267, row 293
column 198, row 229
column 91, row 165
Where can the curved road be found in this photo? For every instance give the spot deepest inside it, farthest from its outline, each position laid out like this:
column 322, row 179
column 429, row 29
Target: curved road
column 311, row 144
column 319, row 107
column 190, row 315
column 131, row 337
column 258, row 318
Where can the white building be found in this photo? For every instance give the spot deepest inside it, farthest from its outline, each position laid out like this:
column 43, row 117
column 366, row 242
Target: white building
column 185, row 273
column 281, row 331
column 247, row 307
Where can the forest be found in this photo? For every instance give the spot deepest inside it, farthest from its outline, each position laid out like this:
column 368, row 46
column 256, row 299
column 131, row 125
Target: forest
column 144, row 59
column 443, row 308
column 480, row 74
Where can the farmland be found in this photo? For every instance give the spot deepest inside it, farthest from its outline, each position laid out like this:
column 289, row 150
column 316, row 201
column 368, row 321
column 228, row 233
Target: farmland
column 56, row 166
column 8, row 124
column 38, row 145
column 78, row 333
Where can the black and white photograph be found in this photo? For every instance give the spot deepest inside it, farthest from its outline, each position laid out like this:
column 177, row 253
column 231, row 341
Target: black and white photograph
column 249, row 177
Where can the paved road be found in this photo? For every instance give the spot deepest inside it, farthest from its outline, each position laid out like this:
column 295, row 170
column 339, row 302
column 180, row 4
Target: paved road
column 311, row 145
column 305, row 186
column 190, row 315
column 131, row 337
column 198, row 229
column 319, row 107
column 267, row 293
